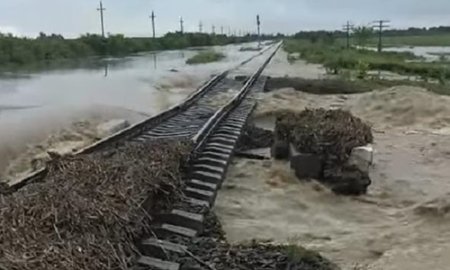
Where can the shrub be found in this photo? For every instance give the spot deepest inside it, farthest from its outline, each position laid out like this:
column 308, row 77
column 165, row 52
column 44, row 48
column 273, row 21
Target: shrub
column 205, row 57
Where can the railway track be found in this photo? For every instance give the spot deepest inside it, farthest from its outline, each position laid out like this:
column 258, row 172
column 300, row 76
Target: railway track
column 214, row 128
column 214, row 146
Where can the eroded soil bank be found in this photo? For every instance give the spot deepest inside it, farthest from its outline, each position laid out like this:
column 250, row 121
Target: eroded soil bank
column 402, row 223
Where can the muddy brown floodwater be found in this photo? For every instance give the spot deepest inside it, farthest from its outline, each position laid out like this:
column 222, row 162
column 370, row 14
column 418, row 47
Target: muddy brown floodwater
column 402, row 223
column 59, row 110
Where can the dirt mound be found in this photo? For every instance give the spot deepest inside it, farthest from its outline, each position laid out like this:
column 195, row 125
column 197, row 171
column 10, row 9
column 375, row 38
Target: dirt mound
column 404, row 106
column 89, row 210
column 254, row 138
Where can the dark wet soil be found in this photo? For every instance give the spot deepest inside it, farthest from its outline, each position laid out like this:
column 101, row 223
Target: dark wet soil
column 211, row 251
column 254, row 137
column 321, row 87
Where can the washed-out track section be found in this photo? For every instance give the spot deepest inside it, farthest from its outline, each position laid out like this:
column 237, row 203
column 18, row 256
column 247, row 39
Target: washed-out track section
column 187, row 123
column 182, row 120
column 205, row 180
column 166, row 247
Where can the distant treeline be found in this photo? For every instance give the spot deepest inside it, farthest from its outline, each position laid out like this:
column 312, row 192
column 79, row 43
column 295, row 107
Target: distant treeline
column 412, row 31
column 15, row 51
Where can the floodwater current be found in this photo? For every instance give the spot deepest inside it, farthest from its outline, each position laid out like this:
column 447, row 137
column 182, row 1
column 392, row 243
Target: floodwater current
column 36, row 106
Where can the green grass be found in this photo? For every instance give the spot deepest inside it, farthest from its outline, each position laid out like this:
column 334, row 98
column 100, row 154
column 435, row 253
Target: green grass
column 400, row 41
column 205, row 57
column 347, row 86
column 337, row 58
column 424, row 40
column 23, row 52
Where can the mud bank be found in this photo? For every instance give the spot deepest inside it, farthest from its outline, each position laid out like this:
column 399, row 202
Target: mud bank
column 402, row 223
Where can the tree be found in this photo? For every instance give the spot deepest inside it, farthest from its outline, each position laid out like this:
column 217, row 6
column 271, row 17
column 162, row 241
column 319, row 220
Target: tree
column 363, row 34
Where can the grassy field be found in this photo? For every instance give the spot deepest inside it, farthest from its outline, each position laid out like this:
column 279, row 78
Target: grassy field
column 345, row 86
column 337, row 59
column 400, row 41
column 18, row 52
column 205, row 57
column 428, row 40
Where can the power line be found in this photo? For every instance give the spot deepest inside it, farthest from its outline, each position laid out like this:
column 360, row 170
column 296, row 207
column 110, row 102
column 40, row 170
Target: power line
column 181, row 25
column 153, row 23
column 381, row 25
column 102, row 9
column 347, row 28
column 258, row 22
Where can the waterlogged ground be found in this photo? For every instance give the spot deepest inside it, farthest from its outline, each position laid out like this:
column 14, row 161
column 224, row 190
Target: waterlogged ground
column 429, row 53
column 62, row 107
column 402, row 223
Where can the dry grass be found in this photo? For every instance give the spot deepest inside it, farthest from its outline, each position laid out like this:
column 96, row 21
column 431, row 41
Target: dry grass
column 90, row 209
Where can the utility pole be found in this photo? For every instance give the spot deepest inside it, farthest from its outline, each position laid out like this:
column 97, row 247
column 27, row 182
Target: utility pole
column 258, row 22
column 347, row 28
column 181, row 25
column 221, row 30
column 381, row 25
column 102, row 9
column 200, row 27
column 153, row 23
column 213, row 28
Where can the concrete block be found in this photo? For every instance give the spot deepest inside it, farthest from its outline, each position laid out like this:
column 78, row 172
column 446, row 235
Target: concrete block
column 168, row 229
column 182, row 218
column 362, row 158
column 111, row 127
column 198, row 202
column 280, row 149
column 200, row 194
column 305, row 165
column 159, row 248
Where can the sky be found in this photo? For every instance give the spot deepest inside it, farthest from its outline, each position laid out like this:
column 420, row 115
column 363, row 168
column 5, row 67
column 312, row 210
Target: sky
column 131, row 17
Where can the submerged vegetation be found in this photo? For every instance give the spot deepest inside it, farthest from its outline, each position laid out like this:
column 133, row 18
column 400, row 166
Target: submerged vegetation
column 336, row 59
column 205, row 57
column 19, row 52
column 433, row 36
column 335, row 86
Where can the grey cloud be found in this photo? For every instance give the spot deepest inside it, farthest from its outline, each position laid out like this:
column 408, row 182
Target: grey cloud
column 71, row 17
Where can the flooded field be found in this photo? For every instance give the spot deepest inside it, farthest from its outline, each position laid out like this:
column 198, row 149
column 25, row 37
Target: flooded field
column 429, row 53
